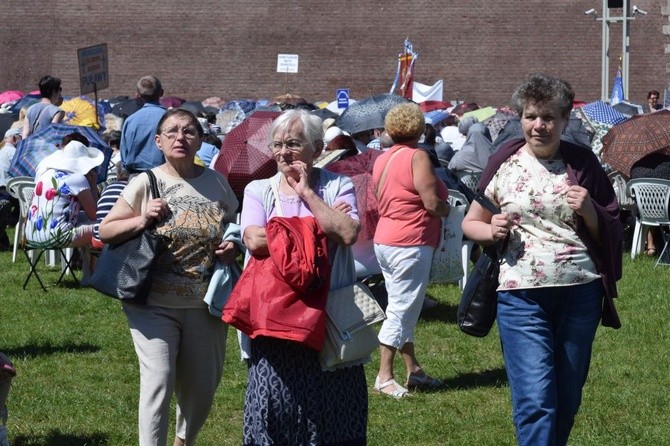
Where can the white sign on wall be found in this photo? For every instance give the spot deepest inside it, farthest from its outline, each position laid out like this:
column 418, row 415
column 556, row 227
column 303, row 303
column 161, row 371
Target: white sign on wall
column 287, row 63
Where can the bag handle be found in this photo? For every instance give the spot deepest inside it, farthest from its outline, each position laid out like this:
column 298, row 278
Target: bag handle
column 382, row 178
column 153, row 184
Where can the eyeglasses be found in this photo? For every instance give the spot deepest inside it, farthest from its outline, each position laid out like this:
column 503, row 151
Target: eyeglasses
column 189, row 133
column 292, row 145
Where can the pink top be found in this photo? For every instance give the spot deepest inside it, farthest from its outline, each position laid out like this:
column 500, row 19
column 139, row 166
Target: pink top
column 403, row 221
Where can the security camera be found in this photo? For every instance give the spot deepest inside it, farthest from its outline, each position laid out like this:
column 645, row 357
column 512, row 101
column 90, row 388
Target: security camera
column 637, row 10
column 590, row 11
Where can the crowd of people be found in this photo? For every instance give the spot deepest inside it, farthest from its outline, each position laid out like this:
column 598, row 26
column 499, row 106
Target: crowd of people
column 558, row 213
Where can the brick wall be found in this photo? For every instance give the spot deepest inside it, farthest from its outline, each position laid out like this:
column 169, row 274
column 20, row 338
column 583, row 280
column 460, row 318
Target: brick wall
column 481, row 48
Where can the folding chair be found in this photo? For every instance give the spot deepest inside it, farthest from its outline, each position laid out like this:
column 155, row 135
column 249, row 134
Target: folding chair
column 652, row 199
column 25, row 196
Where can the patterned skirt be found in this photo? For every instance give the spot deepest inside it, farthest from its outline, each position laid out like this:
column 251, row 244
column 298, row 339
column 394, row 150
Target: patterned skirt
column 291, row 401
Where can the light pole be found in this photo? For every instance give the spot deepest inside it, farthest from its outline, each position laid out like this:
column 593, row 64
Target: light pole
column 606, row 19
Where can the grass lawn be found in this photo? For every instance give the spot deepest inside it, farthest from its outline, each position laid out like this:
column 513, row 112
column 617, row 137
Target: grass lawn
column 77, row 381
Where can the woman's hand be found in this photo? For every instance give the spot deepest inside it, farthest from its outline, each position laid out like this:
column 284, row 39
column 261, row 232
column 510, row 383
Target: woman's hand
column 227, row 252
column 157, row 209
column 342, row 207
column 579, row 200
column 500, row 226
column 302, row 185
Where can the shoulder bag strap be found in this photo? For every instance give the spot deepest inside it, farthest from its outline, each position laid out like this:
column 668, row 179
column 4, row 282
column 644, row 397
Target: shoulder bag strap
column 382, row 178
column 153, row 184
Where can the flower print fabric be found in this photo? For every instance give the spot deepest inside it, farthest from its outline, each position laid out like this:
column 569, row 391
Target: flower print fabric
column 543, row 249
column 54, row 209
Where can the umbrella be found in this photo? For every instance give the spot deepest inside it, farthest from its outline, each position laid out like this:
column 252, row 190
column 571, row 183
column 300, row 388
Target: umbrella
column 245, row 154
column 32, row 150
column 482, row 114
column 429, row 106
column 435, row 116
column 10, row 95
column 214, row 101
column 25, row 101
column 599, row 111
column 171, row 101
column 194, row 107
column 324, row 113
column 368, row 113
column 79, row 111
column 628, row 142
column 291, row 99
column 127, row 107
column 628, row 108
column 464, row 108
column 359, row 169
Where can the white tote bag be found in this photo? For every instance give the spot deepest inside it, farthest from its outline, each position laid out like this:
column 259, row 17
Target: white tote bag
column 447, row 266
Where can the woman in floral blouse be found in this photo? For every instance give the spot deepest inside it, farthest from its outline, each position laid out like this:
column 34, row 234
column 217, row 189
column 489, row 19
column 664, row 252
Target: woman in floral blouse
column 561, row 263
column 65, row 186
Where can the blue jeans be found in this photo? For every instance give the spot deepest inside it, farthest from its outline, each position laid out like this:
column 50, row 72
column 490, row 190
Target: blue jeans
column 546, row 336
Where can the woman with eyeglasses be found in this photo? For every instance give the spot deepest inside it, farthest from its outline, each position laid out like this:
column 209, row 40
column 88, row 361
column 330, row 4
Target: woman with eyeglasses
column 180, row 346
column 290, row 399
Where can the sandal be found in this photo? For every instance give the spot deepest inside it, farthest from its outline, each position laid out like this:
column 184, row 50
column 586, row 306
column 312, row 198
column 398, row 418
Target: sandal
column 423, row 382
column 397, row 393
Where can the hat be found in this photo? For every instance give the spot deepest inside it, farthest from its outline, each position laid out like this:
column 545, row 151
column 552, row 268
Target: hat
column 331, row 133
column 75, row 158
column 12, row 132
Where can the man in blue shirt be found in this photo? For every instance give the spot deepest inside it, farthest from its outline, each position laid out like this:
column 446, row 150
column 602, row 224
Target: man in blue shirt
column 138, row 147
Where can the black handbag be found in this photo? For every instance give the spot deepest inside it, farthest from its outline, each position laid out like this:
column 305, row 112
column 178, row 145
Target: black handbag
column 123, row 270
column 478, row 306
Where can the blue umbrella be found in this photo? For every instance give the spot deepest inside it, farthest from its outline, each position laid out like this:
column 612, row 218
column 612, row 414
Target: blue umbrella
column 38, row 146
column 600, row 111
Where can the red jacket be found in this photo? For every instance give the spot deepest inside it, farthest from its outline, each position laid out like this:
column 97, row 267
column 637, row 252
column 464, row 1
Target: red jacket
column 284, row 295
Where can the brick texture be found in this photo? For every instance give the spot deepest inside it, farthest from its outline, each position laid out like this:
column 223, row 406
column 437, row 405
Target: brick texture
column 480, row 48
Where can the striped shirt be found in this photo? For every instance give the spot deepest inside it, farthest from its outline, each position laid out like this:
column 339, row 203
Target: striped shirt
column 106, row 202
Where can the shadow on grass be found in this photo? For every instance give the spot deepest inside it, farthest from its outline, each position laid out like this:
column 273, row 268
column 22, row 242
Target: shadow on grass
column 441, row 312
column 57, row 438
column 487, row 378
column 33, row 351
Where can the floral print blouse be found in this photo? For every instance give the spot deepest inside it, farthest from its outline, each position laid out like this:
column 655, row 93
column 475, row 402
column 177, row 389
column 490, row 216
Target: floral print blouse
column 543, row 249
column 54, row 209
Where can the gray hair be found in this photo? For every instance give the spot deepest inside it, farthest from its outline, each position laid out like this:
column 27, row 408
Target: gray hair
column 312, row 126
column 544, row 89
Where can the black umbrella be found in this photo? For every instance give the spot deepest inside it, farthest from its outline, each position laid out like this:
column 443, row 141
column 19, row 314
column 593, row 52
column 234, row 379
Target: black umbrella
column 368, row 113
column 127, row 107
column 194, row 107
column 6, row 121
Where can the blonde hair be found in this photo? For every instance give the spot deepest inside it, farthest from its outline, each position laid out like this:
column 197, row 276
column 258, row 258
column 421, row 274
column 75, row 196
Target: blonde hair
column 405, row 122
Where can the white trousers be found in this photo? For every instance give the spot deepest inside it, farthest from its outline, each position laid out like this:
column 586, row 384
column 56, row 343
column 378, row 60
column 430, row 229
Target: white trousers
column 406, row 270
column 180, row 351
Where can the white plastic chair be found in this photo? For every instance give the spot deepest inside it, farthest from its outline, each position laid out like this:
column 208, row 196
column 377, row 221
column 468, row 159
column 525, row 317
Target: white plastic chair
column 470, row 179
column 15, row 186
column 457, row 198
column 652, row 200
column 619, row 184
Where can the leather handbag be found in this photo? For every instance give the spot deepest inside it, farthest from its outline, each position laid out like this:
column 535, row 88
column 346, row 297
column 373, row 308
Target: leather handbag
column 478, row 305
column 124, row 269
column 351, row 314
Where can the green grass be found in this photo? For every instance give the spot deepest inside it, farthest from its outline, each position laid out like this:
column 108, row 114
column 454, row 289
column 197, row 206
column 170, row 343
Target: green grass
column 77, row 380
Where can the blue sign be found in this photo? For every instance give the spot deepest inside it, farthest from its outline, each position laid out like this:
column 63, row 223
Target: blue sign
column 342, row 98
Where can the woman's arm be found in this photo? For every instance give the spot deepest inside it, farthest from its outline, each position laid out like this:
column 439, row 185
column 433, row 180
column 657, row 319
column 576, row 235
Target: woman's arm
column 337, row 225
column 88, row 203
column 58, row 117
column 122, row 222
column 482, row 227
column 425, row 183
column 579, row 200
column 255, row 240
